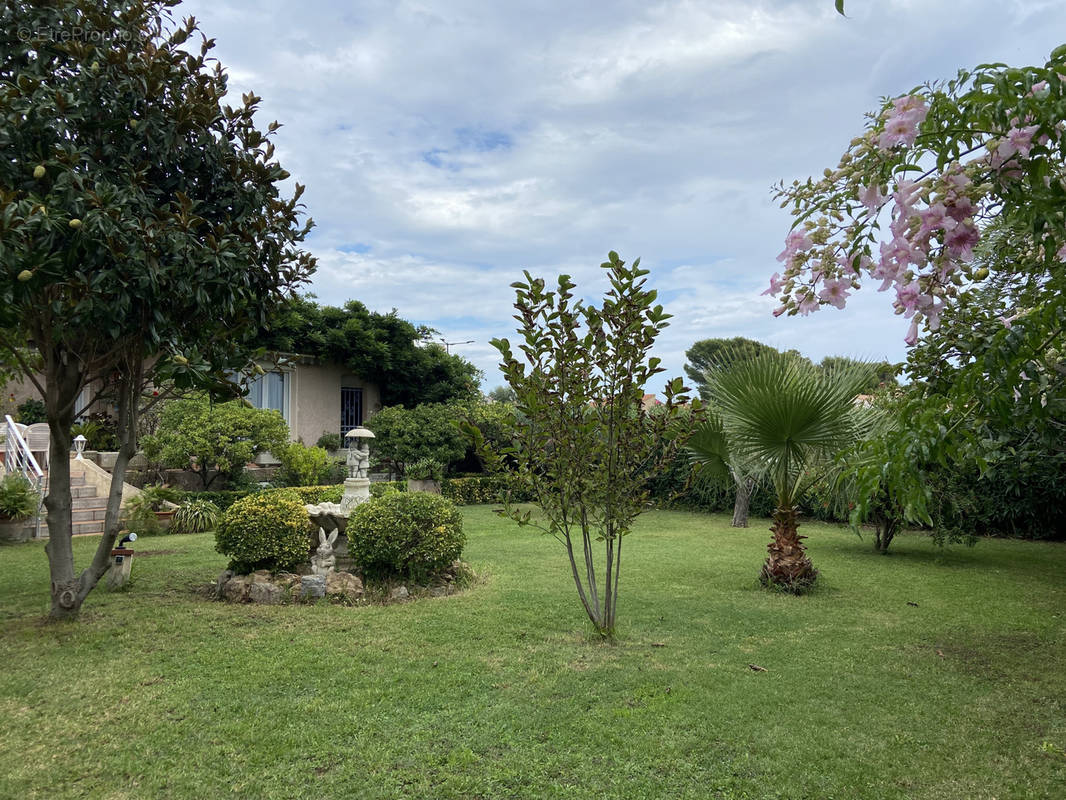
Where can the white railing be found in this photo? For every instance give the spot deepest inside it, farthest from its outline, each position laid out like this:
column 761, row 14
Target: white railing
column 19, row 458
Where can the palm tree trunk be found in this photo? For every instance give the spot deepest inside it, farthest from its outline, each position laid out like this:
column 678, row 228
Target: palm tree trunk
column 743, row 501
column 787, row 565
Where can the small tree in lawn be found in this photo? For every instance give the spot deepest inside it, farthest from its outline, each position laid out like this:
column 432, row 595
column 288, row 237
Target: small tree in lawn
column 144, row 236
column 583, row 444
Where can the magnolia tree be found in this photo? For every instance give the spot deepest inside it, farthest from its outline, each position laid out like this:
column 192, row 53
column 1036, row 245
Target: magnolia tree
column 908, row 202
column 144, row 234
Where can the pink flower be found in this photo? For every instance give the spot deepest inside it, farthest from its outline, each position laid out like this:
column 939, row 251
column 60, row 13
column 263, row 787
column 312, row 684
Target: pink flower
column 871, row 197
column 960, row 240
column 795, row 242
column 907, row 298
column 779, row 311
column 960, row 210
column 912, row 333
column 775, row 284
column 1019, row 141
column 934, row 218
column 1061, row 255
column 906, row 195
column 887, row 271
column 807, row 304
column 901, row 127
column 835, row 292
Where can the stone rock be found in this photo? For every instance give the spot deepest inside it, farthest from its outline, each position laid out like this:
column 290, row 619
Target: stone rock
column 399, row 593
column 286, row 580
column 261, row 576
column 344, row 584
column 236, row 588
column 312, row 586
column 439, row 591
column 223, row 579
column 266, row 593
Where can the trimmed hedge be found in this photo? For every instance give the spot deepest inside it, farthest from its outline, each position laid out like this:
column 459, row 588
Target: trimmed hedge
column 415, row 535
column 264, row 531
column 463, row 491
column 305, row 494
column 484, row 489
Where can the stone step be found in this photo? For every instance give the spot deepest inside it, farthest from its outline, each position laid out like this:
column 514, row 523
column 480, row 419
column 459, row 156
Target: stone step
column 82, row 491
column 88, row 514
column 78, row 528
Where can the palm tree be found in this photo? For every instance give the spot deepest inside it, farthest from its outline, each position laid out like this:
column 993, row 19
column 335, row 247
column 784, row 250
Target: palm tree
column 791, row 419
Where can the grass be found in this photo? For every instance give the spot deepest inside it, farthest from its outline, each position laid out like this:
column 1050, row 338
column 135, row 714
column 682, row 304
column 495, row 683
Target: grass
column 501, row 692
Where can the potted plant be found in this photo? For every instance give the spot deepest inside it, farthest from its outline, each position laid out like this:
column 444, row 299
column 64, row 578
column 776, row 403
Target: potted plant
column 18, row 502
column 425, row 475
column 151, row 511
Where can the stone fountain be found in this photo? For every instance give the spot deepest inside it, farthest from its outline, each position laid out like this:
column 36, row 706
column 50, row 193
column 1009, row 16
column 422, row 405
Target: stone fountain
column 333, row 517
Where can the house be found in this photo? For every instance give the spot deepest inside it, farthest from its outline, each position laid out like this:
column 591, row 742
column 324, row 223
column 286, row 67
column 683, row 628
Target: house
column 314, row 398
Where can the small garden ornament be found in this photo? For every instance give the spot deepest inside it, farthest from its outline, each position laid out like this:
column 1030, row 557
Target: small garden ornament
column 324, row 562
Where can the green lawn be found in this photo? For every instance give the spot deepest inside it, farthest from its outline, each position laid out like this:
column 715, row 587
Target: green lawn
column 499, row 692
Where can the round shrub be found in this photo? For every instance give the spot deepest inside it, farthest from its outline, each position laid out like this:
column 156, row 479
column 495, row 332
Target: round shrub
column 410, row 534
column 264, row 531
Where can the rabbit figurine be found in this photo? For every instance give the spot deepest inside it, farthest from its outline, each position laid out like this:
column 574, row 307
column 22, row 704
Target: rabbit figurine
column 324, row 562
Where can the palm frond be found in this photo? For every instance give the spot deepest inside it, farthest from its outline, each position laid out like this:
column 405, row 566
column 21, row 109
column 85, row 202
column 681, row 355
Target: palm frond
column 788, row 415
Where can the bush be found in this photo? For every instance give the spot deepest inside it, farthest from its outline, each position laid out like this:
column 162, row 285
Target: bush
column 413, row 535
column 100, row 432
column 214, row 440
column 484, row 489
column 18, row 498
column 425, row 469
column 330, row 442
column 304, row 466
column 675, row 487
column 139, row 516
column 196, row 516
column 403, row 436
column 382, row 488
column 266, row 530
column 310, row 495
column 221, row 499
column 31, row 411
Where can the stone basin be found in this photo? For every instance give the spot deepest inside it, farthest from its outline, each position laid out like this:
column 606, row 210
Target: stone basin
column 329, row 517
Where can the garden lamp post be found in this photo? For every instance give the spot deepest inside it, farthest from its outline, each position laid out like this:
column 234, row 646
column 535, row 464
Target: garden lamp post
column 79, row 447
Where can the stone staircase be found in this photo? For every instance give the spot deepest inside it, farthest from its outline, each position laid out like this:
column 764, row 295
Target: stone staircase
column 88, row 510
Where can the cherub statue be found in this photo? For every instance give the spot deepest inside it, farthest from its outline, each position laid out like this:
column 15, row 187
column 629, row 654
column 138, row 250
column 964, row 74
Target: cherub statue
column 324, row 562
column 358, row 460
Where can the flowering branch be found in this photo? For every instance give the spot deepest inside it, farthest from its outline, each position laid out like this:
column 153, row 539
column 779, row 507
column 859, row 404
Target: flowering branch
column 937, row 165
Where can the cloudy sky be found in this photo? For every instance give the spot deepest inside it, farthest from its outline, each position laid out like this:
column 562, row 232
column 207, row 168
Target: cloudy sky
column 448, row 145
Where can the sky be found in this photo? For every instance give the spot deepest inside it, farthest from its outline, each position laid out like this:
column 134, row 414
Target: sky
column 448, row 146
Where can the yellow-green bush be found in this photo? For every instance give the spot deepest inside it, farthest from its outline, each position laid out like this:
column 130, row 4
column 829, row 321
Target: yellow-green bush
column 264, row 531
column 410, row 534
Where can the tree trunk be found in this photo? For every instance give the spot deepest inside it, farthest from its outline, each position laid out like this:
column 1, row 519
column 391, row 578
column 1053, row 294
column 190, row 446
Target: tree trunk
column 68, row 591
column 884, row 532
column 742, row 502
column 787, row 566
column 61, row 391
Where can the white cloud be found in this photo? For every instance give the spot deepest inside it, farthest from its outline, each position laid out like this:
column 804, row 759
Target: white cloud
column 446, row 146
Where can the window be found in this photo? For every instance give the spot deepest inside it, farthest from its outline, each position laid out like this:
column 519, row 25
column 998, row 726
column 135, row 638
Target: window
column 271, row 391
column 351, row 410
